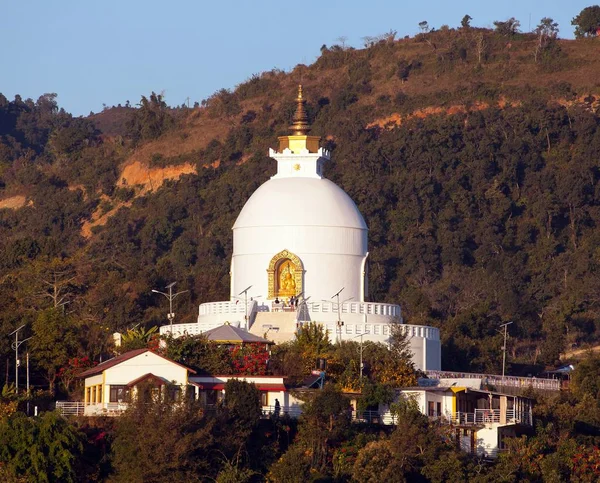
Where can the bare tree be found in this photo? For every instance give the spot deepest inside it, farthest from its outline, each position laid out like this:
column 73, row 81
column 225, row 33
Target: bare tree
column 480, row 45
column 342, row 40
column 546, row 32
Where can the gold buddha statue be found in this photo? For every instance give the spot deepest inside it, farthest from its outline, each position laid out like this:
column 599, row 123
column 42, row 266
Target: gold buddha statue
column 287, row 284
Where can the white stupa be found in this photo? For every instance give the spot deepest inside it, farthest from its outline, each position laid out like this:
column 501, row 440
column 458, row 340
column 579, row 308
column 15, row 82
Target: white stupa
column 300, row 254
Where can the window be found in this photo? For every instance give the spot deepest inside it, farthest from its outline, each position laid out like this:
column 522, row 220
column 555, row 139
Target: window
column 264, row 398
column 430, row 410
column 439, row 409
column 376, row 329
column 119, row 393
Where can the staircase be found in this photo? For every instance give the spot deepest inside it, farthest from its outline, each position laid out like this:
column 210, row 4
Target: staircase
column 276, row 326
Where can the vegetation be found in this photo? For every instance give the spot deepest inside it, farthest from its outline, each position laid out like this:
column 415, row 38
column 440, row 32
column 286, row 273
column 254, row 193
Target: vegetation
column 471, row 153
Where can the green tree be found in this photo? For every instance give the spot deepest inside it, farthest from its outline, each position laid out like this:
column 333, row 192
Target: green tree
column 323, row 423
column 587, row 22
column 43, row 449
column 508, row 28
column 157, row 441
column 53, row 343
column 466, row 21
column 242, row 400
column 152, row 118
column 586, row 377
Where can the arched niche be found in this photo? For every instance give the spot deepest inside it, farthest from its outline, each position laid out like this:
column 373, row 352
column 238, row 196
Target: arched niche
column 285, row 275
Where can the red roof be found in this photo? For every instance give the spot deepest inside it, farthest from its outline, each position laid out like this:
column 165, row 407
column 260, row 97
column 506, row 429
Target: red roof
column 156, row 380
column 100, row 368
column 219, row 386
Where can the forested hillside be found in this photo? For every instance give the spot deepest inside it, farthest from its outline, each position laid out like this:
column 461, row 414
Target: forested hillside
column 472, row 154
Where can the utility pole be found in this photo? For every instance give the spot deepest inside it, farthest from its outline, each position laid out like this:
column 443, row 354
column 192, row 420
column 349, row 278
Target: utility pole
column 171, row 296
column 360, row 351
column 245, row 292
column 28, row 383
column 15, row 346
column 339, row 322
column 504, row 347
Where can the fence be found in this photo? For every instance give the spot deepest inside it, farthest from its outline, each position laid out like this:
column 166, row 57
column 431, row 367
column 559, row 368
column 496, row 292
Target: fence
column 499, row 381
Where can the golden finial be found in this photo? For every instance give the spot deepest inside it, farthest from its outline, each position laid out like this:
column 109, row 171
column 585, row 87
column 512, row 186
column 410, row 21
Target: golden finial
column 300, row 126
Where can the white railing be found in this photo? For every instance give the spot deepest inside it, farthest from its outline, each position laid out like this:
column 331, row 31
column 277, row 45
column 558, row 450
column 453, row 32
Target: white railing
column 486, row 416
column 495, row 380
column 79, row 408
column 369, row 308
column 70, row 408
column 272, row 411
column 180, row 329
column 229, row 307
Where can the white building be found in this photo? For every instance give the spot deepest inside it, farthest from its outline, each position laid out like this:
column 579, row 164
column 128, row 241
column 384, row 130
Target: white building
column 300, row 236
column 111, row 385
column 480, row 420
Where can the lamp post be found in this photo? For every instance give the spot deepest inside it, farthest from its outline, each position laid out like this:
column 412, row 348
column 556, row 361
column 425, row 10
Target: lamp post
column 360, row 351
column 170, row 296
column 15, row 346
column 339, row 311
column 504, row 348
column 245, row 292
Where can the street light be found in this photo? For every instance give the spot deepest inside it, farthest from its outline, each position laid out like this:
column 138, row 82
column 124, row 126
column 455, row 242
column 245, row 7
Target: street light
column 245, row 292
column 170, row 296
column 339, row 310
column 15, row 346
column 504, row 348
column 361, row 353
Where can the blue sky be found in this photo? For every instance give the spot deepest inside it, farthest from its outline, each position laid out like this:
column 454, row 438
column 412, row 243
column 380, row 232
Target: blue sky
column 110, row 51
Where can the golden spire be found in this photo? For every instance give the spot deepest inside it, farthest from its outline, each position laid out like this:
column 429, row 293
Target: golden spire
column 300, row 127
column 298, row 139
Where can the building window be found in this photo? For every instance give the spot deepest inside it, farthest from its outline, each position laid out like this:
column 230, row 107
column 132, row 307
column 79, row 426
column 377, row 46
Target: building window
column 439, row 409
column 376, row 329
column 119, row 393
column 430, row 408
column 386, row 330
column 264, row 398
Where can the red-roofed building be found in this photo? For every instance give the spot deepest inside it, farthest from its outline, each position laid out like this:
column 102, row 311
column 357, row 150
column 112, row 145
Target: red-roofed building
column 108, row 385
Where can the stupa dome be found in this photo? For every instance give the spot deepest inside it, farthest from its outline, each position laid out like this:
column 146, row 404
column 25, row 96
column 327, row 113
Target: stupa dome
column 299, row 201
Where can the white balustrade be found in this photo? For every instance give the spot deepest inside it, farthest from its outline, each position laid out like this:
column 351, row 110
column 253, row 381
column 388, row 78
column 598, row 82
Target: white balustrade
column 499, row 381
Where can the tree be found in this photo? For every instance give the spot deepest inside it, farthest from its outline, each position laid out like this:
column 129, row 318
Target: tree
column 424, row 26
column 242, row 400
column 139, row 338
column 160, row 441
column 151, row 119
column 546, row 32
column 43, row 449
column 586, row 377
column 508, row 28
column 466, row 21
column 53, row 343
column 587, row 23
column 322, row 424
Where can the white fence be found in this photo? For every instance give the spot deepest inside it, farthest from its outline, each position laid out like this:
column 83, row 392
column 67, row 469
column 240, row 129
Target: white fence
column 496, row 380
column 70, row 408
column 369, row 308
column 79, row 408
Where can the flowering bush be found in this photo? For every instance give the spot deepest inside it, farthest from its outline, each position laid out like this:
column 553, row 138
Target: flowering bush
column 249, row 359
column 586, row 464
column 75, row 366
